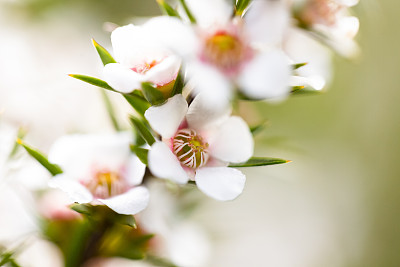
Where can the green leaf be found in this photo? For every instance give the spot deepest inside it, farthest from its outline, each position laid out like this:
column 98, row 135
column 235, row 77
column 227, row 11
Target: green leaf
column 298, row 65
column 257, row 128
column 157, row 261
column 126, row 220
column 82, row 208
column 241, row 6
column 105, row 56
column 154, row 96
column 21, row 134
column 140, row 152
column 179, row 84
column 93, row 81
column 301, row 90
column 188, row 12
column 110, row 110
column 259, row 161
column 167, row 9
column 41, row 158
column 138, row 102
column 143, row 130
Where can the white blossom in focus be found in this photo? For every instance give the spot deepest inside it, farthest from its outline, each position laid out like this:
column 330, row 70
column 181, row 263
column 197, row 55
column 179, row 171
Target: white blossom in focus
column 140, row 58
column 100, row 169
column 198, row 144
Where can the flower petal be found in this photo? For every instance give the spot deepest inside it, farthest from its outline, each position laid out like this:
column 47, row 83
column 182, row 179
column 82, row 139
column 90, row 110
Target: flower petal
column 209, row 81
column 122, row 78
column 232, row 141
column 266, row 76
column 165, row 119
column 164, row 164
column 77, row 192
column 210, row 12
column 129, row 203
column 220, row 183
column 164, row 72
column 135, row 170
column 201, row 115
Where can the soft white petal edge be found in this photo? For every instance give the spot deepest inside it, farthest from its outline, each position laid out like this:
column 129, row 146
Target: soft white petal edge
column 232, row 141
column 164, row 164
column 135, row 170
column 266, row 76
column 129, row 203
column 76, row 192
column 165, row 71
column 165, row 119
column 220, row 183
column 122, row 78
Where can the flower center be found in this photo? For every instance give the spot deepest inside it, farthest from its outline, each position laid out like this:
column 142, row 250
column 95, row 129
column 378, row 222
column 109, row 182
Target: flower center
column 224, row 50
column 142, row 69
column 106, row 184
column 190, row 148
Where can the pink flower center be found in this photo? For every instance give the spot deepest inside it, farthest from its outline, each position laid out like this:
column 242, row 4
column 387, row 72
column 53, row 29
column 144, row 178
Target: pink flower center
column 190, row 148
column 142, row 69
column 105, row 184
column 225, row 50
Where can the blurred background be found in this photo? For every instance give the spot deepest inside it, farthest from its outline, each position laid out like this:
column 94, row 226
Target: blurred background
column 336, row 204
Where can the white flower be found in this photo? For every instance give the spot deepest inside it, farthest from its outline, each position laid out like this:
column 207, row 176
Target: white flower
column 222, row 53
column 140, row 59
column 100, row 169
column 331, row 19
column 198, row 143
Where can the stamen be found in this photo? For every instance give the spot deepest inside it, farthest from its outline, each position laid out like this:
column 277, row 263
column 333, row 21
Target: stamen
column 106, row 184
column 190, row 148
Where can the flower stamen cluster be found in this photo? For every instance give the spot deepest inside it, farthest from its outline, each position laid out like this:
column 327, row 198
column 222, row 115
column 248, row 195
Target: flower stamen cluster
column 190, row 148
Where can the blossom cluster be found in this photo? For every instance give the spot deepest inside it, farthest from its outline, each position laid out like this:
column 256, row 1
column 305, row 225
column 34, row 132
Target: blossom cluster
column 182, row 73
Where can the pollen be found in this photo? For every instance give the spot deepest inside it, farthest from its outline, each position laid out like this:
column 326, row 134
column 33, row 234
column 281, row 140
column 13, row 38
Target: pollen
column 145, row 67
column 224, row 50
column 106, row 184
column 190, row 148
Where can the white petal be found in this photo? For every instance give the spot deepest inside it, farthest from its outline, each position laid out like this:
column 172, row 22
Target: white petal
column 129, row 203
column 135, row 45
column 232, row 141
column 165, row 71
column 266, row 76
column 122, row 78
column 77, row 192
column 200, row 114
column 267, row 21
column 348, row 2
column 165, row 119
column 135, row 170
column 173, row 34
column 210, row 12
column 220, row 183
column 209, row 81
column 164, row 164
column 316, row 82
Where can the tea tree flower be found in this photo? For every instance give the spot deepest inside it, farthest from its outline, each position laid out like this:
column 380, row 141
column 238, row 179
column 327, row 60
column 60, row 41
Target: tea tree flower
column 197, row 144
column 140, row 59
column 221, row 53
column 100, row 169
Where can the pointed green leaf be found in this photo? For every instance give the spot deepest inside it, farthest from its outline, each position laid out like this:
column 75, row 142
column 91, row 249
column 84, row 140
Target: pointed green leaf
column 41, row 158
column 154, row 96
column 105, row 56
column 167, row 9
column 82, row 208
column 257, row 128
column 93, row 81
column 20, row 135
column 179, row 84
column 140, row 152
column 298, row 65
column 259, row 161
column 138, row 103
column 143, row 131
column 241, row 6
column 188, row 12
column 301, row 90
column 126, row 220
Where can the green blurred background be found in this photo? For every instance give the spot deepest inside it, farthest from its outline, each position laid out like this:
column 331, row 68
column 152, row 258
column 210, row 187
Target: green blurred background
column 336, row 204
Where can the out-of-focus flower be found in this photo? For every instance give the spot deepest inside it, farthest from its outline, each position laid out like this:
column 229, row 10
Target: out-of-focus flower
column 100, row 169
column 140, row 58
column 222, row 53
column 198, row 143
column 331, row 20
